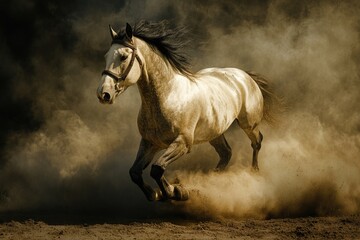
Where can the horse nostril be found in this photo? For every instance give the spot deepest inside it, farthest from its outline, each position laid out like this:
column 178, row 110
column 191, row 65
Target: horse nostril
column 106, row 96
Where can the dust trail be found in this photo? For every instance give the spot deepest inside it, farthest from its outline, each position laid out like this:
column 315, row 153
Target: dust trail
column 304, row 172
column 69, row 152
column 310, row 163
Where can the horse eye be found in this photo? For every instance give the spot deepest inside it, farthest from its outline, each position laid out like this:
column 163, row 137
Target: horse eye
column 123, row 57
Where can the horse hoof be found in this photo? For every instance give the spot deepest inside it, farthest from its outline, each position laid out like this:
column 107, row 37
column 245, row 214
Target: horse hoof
column 218, row 170
column 255, row 169
column 155, row 195
column 158, row 196
column 180, row 193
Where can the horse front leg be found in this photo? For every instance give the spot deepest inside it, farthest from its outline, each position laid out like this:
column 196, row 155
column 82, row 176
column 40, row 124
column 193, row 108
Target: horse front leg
column 175, row 150
column 144, row 157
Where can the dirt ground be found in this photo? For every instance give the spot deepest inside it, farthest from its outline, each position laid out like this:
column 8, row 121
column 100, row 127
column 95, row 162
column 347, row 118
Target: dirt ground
column 346, row 227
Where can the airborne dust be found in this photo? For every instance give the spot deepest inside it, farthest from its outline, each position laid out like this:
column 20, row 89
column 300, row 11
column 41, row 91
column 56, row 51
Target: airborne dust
column 67, row 151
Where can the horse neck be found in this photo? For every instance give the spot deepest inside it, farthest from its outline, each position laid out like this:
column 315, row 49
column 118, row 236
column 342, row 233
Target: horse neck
column 157, row 75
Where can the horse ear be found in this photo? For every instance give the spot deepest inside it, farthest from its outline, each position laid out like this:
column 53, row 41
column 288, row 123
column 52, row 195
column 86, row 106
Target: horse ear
column 112, row 32
column 129, row 32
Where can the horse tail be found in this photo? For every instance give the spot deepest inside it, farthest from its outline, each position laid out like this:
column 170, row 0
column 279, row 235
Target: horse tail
column 273, row 105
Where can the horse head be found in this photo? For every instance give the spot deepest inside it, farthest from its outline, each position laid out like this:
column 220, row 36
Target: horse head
column 121, row 69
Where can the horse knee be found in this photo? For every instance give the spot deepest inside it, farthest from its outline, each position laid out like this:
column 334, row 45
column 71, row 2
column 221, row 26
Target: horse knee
column 156, row 171
column 135, row 175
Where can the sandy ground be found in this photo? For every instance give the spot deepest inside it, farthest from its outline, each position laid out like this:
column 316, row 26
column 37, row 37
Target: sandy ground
column 346, row 227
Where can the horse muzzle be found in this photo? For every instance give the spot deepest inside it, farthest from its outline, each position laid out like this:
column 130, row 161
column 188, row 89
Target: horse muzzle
column 105, row 96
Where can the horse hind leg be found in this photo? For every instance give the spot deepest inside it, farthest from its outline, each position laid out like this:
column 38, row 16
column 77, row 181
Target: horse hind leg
column 223, row 150
column 256, row 138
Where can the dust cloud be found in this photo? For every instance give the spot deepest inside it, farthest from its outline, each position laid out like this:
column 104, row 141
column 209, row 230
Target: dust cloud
column 310, row 162
column 75, row 154
column 304, row 171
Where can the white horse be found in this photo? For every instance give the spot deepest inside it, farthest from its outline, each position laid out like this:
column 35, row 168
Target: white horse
column 178, row 108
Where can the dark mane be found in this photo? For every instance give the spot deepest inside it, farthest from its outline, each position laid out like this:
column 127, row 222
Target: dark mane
column 169, row 41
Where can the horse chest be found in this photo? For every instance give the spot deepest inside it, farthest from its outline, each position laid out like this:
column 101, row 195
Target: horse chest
column 154, row 127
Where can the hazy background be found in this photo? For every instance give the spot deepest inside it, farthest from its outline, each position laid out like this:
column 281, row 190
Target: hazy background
column 63, row 151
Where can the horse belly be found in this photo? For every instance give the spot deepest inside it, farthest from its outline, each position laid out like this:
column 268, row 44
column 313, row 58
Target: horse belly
column 206, row 131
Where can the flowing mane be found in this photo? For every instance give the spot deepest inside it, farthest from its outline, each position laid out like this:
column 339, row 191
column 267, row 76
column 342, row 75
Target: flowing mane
column 169, row 41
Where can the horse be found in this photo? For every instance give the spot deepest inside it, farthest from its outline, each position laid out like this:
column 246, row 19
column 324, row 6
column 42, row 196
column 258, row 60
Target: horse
column 179, row 108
